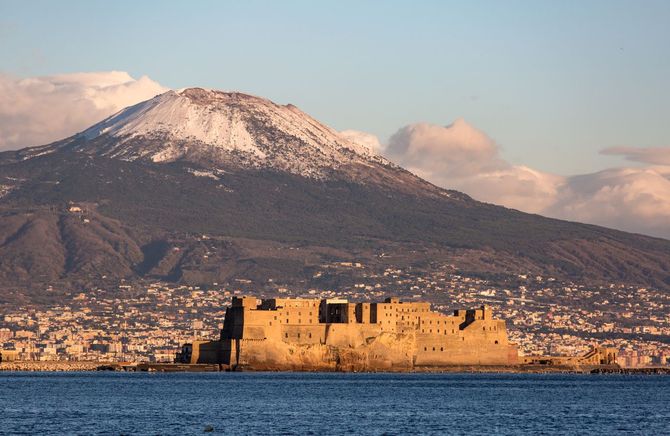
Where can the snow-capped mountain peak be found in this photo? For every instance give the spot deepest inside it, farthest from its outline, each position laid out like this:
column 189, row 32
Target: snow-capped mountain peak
column 220, row 128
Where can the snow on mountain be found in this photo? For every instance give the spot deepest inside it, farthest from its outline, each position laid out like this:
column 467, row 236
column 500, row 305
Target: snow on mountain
column 217, row 127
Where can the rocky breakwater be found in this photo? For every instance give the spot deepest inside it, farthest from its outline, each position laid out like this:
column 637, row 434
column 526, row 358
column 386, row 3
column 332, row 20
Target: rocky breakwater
column 51, row 366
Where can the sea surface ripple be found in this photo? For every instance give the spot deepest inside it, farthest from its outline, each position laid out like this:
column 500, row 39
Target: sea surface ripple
column 323, row 403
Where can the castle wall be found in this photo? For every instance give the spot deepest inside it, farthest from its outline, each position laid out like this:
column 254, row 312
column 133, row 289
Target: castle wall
column 259, row 324
column 288, row 334
column 304, row 334
column 299, row 311
column 363, row 313
column 465, row 350
column 280, row 355
column 463, row 340
column 393, row 315
column 350, row 335
column 208, row 352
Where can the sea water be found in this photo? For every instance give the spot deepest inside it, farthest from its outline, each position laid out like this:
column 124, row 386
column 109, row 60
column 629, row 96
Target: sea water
column 324, row 403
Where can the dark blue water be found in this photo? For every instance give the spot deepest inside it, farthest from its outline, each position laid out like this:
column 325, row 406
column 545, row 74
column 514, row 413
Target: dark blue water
column 290, row 403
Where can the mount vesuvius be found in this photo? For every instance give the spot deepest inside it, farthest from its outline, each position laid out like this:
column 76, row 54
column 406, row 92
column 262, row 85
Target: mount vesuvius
column 203, row 186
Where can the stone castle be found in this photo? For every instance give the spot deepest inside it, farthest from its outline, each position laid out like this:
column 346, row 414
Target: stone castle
column 334, row 334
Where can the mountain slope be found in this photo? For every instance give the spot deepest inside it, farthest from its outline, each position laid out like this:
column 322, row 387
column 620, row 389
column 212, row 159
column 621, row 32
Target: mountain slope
column 226, row 186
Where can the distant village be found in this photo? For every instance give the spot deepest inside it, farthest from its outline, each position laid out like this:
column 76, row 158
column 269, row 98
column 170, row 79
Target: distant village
column 148, row 322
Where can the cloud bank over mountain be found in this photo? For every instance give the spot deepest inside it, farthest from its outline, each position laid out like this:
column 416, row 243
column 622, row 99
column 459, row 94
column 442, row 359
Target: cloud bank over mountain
column 632, row 199
column 39, row 110
column 461, row 157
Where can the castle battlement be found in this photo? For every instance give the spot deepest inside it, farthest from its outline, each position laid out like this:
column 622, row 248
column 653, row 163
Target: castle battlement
column 251, row 318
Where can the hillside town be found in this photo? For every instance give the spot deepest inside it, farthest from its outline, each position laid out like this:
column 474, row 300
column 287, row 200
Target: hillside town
column 148, row 322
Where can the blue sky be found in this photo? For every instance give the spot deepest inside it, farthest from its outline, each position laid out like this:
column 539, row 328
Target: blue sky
column 551, row 82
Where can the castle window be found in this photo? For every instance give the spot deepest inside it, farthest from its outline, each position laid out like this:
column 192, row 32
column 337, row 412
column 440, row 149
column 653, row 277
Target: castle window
column 441, row 348
column 270, row 322
column 286, row 335
column 286, row 320
column 484, row 328
column 433, row 348
column 299, row 321
column 425, row 349
column 310, row 335
column 496, row 342
column 298, row 335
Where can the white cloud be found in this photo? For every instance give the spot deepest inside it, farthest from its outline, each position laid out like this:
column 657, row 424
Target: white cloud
column 461, row 157
column 459, row 148
column 39, row 110
column 367, row 142
column 650, row 155
column 631, row 199
column 518, row 187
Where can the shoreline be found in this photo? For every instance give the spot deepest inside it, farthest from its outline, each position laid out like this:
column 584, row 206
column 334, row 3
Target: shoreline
column 50, row 366
column 67, row 366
